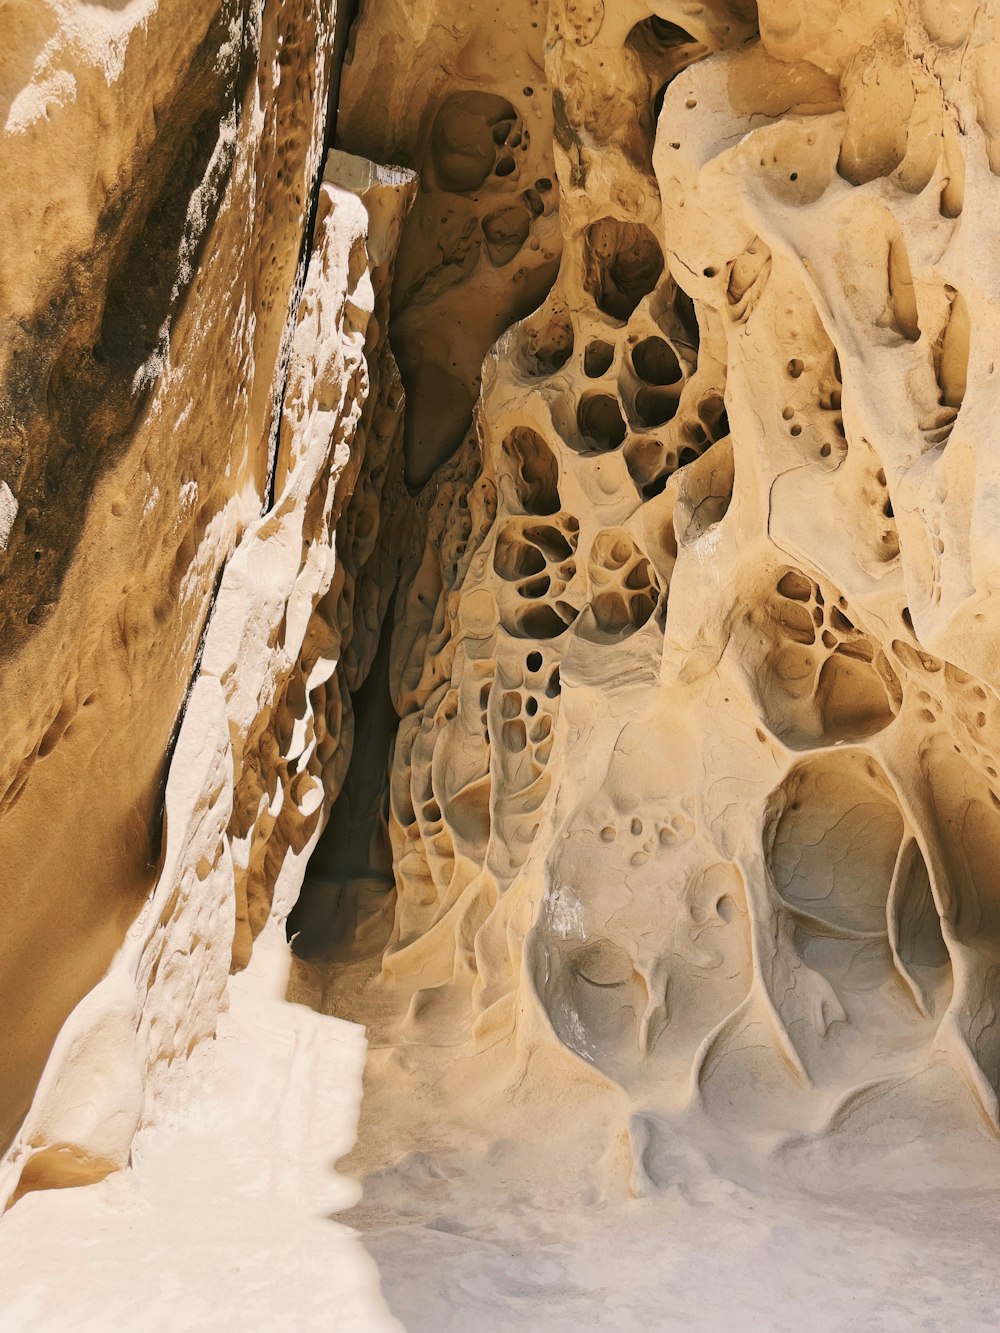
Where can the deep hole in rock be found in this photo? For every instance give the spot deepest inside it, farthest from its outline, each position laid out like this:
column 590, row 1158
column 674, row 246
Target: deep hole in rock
column 655, row 407
column 623, row 265
column 467, row 129
column 600, row 420
column 597, row 359
column 536, row 474
column 655, row 361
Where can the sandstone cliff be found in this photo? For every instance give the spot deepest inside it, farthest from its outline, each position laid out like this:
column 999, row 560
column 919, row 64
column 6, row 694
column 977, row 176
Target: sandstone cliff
column 670, row 546
column 188, row 416
column 696, row 671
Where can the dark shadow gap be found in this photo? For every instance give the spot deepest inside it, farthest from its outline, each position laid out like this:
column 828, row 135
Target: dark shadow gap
column 344, row 908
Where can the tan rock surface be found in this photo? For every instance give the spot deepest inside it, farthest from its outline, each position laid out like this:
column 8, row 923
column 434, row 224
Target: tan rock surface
column 693, row 777
column 693, row 799
column 156, row 164
column 263, row 729
column 679, row 896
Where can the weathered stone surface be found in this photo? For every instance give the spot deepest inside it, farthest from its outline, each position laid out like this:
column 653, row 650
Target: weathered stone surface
column 157, row 164
column 676, row 570
column 254, row 601
column 696, row 678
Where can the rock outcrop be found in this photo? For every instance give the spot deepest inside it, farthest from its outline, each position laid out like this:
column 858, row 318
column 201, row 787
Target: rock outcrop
column 676, row 569
column 697, row 674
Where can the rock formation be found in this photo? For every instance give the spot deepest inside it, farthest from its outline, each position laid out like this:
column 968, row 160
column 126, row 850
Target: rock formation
column 176, row 611
column 696, row 675
column 675, row 561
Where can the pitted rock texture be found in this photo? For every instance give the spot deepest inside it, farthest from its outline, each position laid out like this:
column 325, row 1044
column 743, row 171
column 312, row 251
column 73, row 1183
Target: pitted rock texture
column 468, row 107
column 686, row 536
column 697, row 676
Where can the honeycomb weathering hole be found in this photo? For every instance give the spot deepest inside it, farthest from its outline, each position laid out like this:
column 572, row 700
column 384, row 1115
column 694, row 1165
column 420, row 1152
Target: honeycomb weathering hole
column 464, row 141
column 598, row 358
column 623, row 265
column 667, row 34
column 601, row 423
column 548, row 345
column 516, row 558
column 625, row 590
column 655, row 407
column 820, row 680
column 536, row 474
column 833, row 839
column 505, row 232
column 656, row 362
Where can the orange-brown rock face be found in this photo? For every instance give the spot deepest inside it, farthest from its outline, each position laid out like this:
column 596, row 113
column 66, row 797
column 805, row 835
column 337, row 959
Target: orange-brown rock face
column 157, row 164
column 187, row 417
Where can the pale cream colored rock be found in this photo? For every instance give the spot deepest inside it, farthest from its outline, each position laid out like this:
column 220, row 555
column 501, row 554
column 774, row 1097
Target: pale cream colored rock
column 228, row 1198
column 697, row 676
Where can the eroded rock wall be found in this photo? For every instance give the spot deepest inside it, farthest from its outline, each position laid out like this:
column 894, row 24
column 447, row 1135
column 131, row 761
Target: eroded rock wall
column 189, row 418
column 157, row 164
column 696, row 776
column 686, row 531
